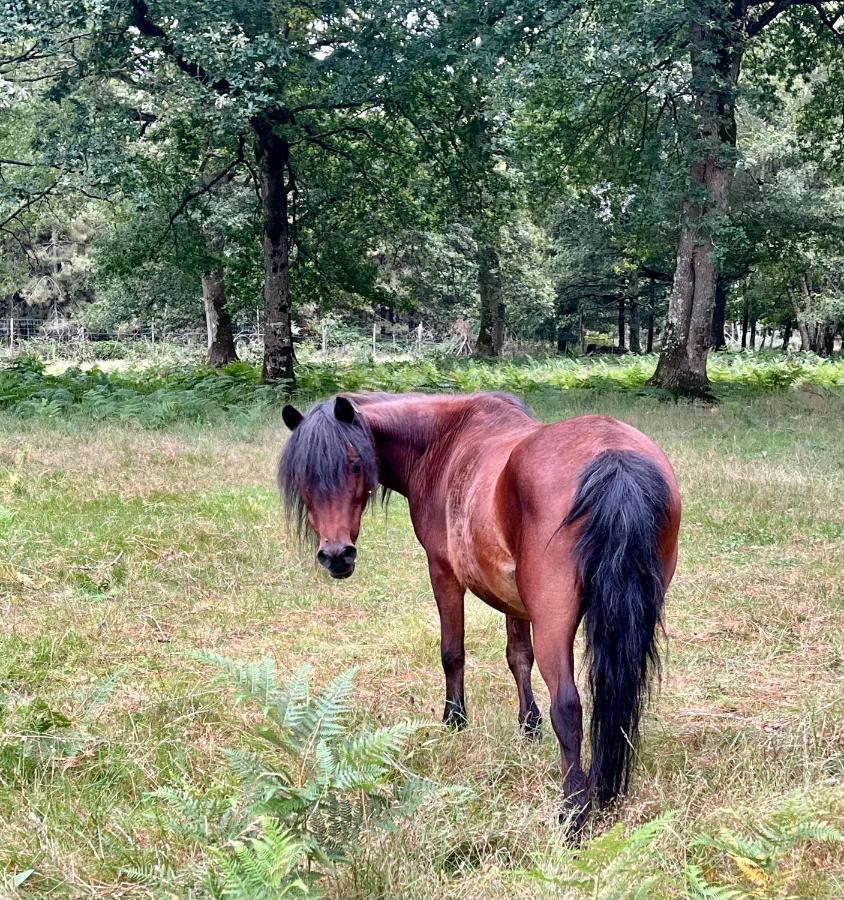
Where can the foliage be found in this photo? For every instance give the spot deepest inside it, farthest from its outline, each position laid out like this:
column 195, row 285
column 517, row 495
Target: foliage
column 614, row 864
column 155, row 397
column 305, row 799
column 618, row 864
column 36, row 736
column 758, row 851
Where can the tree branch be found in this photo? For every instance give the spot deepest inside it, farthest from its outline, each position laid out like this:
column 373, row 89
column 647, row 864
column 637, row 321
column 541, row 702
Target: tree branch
column 141, row 20
column 29, row 203
column 204, row 188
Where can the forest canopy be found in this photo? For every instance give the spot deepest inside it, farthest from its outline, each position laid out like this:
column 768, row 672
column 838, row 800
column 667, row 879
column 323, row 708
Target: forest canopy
column 650, row 176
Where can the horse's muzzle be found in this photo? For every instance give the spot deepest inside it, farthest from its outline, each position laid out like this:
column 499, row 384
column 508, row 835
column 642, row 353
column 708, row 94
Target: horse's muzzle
column 339, row 561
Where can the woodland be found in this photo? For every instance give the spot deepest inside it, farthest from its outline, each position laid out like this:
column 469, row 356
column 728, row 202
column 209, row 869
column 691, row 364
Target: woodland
column 559, row 176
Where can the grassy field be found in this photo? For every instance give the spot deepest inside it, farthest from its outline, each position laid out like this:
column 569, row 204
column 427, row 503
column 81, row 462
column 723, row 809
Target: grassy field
column 125, row 548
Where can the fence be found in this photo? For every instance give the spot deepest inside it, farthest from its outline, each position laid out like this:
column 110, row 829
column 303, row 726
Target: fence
column 14, row 331
column 65, row 338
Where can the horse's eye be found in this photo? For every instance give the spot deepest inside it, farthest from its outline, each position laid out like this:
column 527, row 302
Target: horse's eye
column 356, row 469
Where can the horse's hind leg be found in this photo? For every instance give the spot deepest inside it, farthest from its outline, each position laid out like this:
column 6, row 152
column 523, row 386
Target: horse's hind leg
column 554, row 607
column 520, row 661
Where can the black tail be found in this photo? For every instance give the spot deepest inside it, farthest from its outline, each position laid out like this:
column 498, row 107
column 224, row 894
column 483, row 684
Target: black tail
column 623, row 500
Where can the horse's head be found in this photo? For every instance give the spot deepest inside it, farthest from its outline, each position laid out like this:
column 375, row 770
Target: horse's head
column 327, row 472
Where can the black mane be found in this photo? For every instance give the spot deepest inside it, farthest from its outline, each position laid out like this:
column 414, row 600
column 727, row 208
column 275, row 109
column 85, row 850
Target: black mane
column 315, row 459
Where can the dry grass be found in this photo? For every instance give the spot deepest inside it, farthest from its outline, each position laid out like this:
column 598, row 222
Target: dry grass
column 124, row 549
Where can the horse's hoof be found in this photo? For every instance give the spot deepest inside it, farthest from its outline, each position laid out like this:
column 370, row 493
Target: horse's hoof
column 455, row 717
column 531, row 724
column 573, row 817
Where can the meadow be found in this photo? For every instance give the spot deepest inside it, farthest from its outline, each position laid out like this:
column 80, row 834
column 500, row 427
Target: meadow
column 140, row 524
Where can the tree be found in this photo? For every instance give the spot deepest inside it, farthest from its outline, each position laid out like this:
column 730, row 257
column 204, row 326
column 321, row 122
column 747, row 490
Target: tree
column 276, row 79
column 718, row 36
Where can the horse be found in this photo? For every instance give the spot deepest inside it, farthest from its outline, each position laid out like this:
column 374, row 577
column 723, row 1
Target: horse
column 549, row 524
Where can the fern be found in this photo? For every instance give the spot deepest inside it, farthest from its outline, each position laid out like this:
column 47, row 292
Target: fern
column 100, row 693
column 263, row 867
column 305, row 795
column 154, row 398
column 256, row 680
column 756, row 855
column 611, row 865
column 699, row 888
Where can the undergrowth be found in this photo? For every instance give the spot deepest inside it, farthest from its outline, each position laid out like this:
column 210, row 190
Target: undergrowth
column 156, row 397
column 311, row 789
column 307, row 792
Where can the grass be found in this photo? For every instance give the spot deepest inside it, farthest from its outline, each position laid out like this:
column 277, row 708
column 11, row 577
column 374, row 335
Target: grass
column 125, row 549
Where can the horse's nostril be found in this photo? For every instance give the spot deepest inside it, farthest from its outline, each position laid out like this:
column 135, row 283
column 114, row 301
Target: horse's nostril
column 336, row 557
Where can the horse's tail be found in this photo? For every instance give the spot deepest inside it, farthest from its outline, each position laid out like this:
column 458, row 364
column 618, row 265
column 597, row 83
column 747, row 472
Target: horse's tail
column 623, row 499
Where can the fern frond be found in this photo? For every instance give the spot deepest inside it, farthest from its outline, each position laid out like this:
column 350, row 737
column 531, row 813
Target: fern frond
column 100, row 692
column 265, row 866
column 293, row 703
column 380, row 746
column 699, row 888
column 257, row 680
column 197, row 817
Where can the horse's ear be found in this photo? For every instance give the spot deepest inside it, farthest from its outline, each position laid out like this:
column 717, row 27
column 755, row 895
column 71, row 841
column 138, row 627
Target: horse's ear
column 344, row 411
column 292, row 417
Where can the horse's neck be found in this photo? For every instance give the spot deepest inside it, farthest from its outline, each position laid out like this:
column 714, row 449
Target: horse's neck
column 404, row 430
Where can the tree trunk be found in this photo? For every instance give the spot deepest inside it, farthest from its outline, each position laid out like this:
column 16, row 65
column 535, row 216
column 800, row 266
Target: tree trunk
column 272, row 154
column 719, row 341
column 805, row 339
column 621, row 323
column 827, row 342
column 753, row 334
column 562, row 340
column 491, row 333
column 745, row 322
column 221, row 349
column 786, row 335
column 650, row 339
column 800, row 315
column 715, row 58
column 635, row 328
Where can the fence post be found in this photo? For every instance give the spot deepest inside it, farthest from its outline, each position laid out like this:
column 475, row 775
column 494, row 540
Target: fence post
column 152, row 331
column 11, row 331
column 325, row 338
column 419, row 339
column 374, row 334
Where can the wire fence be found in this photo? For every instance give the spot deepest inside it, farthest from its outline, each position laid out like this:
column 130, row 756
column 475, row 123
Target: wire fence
column 65, row 338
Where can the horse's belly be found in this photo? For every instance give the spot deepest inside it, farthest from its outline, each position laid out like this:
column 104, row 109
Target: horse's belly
column 476, row 547
column 488, row 571
column 498, row 589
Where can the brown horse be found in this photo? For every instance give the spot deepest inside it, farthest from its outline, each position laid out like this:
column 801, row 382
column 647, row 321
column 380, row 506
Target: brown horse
column 546, row 523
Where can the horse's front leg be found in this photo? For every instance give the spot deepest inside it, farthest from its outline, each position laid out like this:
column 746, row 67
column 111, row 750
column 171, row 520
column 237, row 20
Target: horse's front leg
column 449, row 594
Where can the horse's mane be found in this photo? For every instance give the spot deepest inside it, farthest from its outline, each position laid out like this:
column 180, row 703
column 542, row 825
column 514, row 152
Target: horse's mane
column 315, row 460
